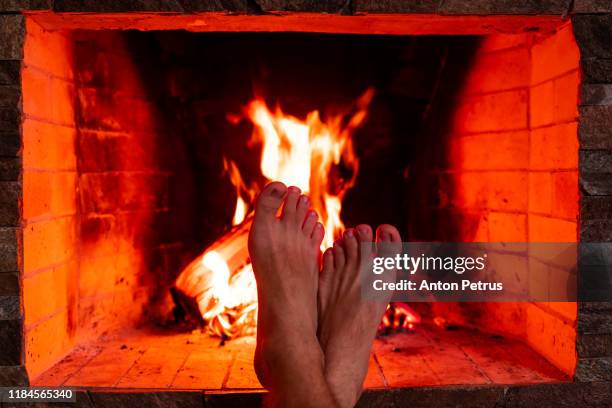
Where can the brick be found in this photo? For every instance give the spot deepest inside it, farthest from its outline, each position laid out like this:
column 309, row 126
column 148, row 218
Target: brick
column 9, row 204
column 554, row 147
column 541, row 103
column 553, row 338
column 10, row 144
column 9, row 244
column 595, row 94
column 592, row 6
column 12, row 31
column 161, row 399
column 10, row 307
column 10, row 120
column 594, row 34
column 48, row 98
column 504, row 7
column 9, row 284
column 49, row 194
column 594, row 345
column 506, row 227
column 560, row 48
column 101, row 152
column 63, row 102
column 595, row 129
column 593, row 369
column 10, row 72
column 545, row 229
column 37, row 287
column 110, row 6
column 49, row 51
column 331, row 6
column 596, row 70
column 47, row 146
column 38, row 100
column 376, row 398
column 562, row 394
column 565, row 101
column 565, row 195
column 99, row 110
column 503, row 70
column 595, row 306
column 497, row 151
column 492, row 112
column 40, row 353
column 13, row 376
column 191, row 6
column 596, row 231
column 105, row 274
column 110, row 192
column 444, row 396
column 596, row 208
column 10, row 96
column 596, row 161
column 594, row 321
column 396, row 6
column 10, row 168
column 540, row 193
column 503, row 191
column 10, row 342
column 569, row 310
column 596, row 183
column 48, row 243
column 19, row 5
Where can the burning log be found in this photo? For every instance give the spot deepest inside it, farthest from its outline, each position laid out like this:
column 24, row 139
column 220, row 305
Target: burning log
column 218, row 289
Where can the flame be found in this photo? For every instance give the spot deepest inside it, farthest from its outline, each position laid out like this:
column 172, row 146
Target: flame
column 313, row 154
column 398, row 317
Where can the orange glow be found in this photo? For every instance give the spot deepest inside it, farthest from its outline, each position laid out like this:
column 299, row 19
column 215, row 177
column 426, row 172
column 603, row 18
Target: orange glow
column 303, row 153
column 399, row 317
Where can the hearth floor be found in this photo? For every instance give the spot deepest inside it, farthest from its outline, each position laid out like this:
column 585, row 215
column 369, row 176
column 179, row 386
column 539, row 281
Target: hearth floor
column 426, row 357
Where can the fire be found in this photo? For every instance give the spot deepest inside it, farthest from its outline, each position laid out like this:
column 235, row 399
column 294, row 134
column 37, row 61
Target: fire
column 313, row 154
column 398, row 317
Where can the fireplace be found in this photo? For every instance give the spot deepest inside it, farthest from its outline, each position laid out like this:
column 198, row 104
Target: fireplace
column 118, row 127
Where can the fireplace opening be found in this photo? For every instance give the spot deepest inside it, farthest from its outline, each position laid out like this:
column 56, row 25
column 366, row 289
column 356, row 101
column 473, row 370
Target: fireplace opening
column 128, row 178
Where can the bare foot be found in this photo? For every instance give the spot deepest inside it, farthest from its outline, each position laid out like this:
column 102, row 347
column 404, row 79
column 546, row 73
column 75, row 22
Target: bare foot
column 285, row 255
column 347, row 323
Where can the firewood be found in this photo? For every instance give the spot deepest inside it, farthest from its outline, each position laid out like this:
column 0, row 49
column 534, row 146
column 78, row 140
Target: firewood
column 199, row 284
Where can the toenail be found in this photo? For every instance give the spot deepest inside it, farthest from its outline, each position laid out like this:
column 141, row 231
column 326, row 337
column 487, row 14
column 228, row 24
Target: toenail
column 294, row 189
column 348, row 233
column 304, row 199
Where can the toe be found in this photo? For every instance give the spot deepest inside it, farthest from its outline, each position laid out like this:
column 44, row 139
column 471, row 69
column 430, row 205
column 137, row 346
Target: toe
column 339, row 257
column 309, row 223
column 364, row 233
column 387, row 233
column 364, row 237
column 388, row 240
column 290, row 206
column 350, row 246
column 269, row 200
column 317, row 234
column 328, row 263
column 303, row 205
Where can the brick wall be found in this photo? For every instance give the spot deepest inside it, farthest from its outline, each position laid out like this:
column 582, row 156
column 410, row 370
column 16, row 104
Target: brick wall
column 50, row 266
column 100, row 245
column 512, row 171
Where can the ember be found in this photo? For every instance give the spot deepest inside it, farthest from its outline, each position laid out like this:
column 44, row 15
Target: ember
column 399, row 317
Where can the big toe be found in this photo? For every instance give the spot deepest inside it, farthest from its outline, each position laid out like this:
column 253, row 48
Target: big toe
column 269, row 200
